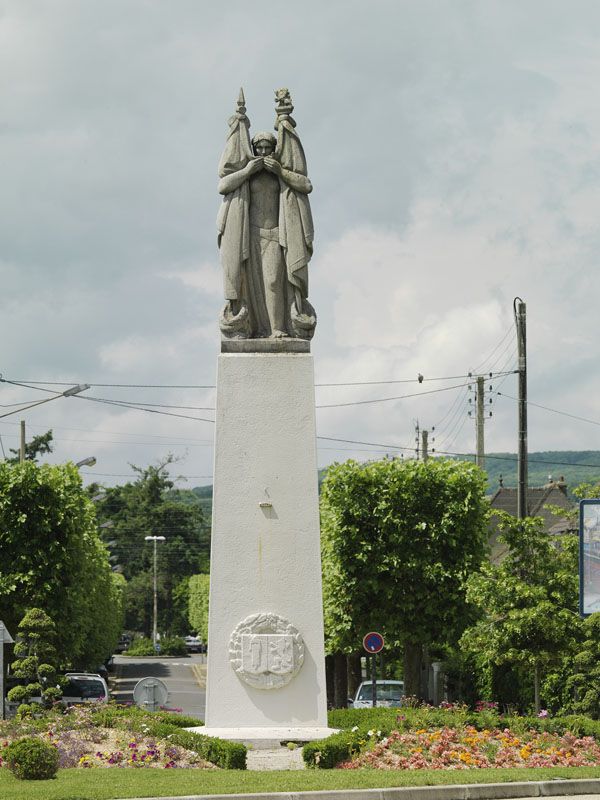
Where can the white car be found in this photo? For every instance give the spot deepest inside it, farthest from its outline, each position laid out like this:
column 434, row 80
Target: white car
column 389, row 694
column 193, row 644
column 85, row 687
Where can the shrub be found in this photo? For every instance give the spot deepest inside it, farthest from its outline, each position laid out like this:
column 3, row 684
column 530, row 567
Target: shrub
column 140, row 647
column 328, row 753
column 169, row 646
column 31, row 759
column 173, row 646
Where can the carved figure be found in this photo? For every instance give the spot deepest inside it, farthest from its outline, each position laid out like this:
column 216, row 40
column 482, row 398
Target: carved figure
column 265, row 229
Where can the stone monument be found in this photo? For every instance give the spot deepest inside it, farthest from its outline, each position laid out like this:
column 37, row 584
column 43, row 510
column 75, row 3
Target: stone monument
column 266, row 670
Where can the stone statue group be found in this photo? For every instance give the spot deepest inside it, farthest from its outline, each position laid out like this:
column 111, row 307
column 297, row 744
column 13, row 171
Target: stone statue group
column 265, row 229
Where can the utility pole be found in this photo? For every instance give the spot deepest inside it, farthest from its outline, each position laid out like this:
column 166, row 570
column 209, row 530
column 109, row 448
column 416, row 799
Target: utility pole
column 155, row 539
column 520, row 322
column 22, row 447
column 424, row 445
column 480, row 447
column 417, row 438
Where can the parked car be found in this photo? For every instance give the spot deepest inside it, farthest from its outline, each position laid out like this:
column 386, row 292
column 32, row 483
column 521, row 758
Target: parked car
column 123, row 643
column 85, row 687
column 81, row 687
column 389, row 694
column 193, row 644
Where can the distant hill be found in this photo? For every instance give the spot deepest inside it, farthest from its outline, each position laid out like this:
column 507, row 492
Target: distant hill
column 575, row 466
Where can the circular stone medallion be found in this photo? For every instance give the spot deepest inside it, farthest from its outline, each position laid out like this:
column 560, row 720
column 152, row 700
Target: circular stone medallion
column 266, row 651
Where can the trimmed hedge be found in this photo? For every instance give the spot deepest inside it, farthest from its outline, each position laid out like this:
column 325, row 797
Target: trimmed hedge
column 110, row 715
column 227, row 755
column 328, row 753
column 406, row 719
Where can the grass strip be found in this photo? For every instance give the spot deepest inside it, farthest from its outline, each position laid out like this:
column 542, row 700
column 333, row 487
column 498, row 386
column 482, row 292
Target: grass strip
column 107, row 784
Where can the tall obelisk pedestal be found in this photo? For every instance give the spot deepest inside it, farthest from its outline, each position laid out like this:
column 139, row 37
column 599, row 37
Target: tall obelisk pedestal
column 266, row 665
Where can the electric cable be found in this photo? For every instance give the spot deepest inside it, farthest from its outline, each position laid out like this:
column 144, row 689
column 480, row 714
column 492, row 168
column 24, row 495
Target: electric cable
column 36, row 384
column 387, row 399
column 553, row 410
column 479, row 368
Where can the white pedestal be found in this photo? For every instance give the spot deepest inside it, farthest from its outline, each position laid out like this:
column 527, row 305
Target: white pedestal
column 265, row 554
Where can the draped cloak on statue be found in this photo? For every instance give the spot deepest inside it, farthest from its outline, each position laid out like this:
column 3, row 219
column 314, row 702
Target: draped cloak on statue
column 233, row 226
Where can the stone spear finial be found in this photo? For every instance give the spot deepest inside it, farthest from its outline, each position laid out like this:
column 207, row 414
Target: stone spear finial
column 241, row 103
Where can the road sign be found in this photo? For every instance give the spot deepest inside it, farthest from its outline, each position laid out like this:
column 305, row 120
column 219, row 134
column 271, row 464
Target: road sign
column 150, row 694
column 373, row 642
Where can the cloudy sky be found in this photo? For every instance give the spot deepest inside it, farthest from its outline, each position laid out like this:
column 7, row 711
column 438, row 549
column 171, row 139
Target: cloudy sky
column 454, row 147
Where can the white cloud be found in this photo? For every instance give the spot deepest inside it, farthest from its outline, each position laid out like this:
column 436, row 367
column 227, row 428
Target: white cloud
column 455, row 152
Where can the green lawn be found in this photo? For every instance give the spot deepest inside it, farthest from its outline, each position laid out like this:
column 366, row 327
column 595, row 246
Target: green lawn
column 106, row 784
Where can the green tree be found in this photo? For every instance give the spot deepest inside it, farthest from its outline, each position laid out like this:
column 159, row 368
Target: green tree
column 399, row 540
column 527, row 604
column 52, row 557
column 583, row 682
column 150, row 506
column 38, row 446
column 139, row 606
column 198, row 605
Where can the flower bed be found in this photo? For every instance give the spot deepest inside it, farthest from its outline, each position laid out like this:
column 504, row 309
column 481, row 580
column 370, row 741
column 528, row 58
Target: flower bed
column 468, row 748
column 111, row 736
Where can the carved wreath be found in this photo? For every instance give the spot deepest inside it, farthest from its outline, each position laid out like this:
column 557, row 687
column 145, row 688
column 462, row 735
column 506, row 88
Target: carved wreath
column 265, row 623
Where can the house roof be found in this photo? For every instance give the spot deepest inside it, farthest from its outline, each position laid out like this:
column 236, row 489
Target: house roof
column 553, row 493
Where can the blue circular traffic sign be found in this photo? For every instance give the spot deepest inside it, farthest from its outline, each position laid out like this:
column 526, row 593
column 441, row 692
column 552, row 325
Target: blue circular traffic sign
column 373, row 642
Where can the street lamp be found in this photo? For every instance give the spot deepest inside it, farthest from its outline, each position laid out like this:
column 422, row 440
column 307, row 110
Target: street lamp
column 155, row 539
column 70, row 392
column 90, row 461
column 73, row 390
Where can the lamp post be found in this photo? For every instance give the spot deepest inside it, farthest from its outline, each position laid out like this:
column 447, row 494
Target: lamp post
column 90, row 461
column 70, row 392
column 73, row 390
column 155, row 539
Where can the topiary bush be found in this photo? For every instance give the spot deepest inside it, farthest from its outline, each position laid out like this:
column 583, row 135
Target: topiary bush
column 31, row 759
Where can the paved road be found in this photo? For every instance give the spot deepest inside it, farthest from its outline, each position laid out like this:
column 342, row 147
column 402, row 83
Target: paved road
column 185, row 679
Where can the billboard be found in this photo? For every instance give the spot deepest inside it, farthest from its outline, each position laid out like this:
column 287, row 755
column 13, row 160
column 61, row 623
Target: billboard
column 589, row 557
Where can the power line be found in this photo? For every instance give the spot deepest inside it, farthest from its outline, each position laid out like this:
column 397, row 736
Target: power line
column 460, row 455
column 553, row 410
column 37, row 384
column 141, row 408
column 133, row 475
column 398, row 397
column 184, row 439
column 488, row 358
column 134, row 403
